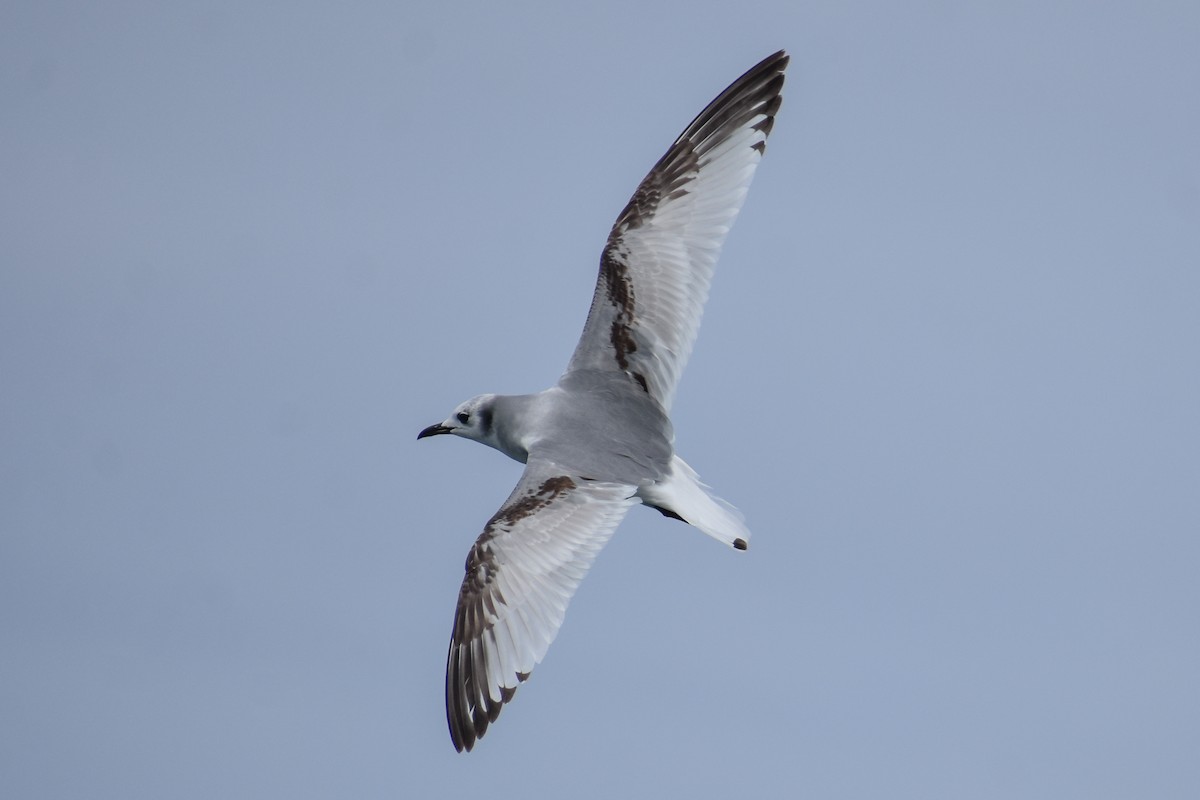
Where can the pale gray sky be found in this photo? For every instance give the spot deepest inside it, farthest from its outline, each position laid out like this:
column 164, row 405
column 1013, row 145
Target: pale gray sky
column 950, row 371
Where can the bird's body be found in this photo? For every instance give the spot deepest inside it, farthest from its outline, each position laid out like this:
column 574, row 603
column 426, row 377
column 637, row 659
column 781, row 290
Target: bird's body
column 600, row 440
column 613, row 430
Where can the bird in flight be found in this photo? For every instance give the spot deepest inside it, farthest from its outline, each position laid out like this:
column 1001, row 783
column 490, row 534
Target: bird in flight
column 600, row 440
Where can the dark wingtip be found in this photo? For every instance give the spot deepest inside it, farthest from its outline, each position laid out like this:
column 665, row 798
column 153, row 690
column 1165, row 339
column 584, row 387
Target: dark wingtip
column 740, row 544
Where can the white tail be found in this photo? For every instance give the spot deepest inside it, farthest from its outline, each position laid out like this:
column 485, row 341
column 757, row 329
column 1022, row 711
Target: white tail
column 683, row 496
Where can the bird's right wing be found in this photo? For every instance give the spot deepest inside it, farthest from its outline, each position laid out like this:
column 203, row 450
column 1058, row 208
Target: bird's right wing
column 521, row 574
column 659, row 260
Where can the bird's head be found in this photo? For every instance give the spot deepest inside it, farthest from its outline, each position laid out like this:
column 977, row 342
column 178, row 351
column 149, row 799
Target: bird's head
column 470, row 420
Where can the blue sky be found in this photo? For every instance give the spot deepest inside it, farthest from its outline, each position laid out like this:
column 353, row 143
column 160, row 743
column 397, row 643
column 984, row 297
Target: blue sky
column 949, row 371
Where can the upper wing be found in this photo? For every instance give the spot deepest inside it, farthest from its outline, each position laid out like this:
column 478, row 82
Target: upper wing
column 657, row 265
column 521, row 574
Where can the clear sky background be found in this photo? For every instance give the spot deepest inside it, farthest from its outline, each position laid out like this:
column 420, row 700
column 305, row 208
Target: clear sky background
column 950, row 371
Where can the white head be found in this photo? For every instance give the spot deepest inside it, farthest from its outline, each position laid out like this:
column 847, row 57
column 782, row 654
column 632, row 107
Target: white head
column 471, row 420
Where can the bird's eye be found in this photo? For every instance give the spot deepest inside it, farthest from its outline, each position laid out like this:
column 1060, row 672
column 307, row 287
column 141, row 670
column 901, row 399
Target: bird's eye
column 464, row 417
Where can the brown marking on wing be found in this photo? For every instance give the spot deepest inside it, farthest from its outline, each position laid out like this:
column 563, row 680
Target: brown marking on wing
column 642, row 205
column 530, row 503
column 619, row 290
column 481, row 561
column 666, row 182
column 479, row 603
column 480, row 565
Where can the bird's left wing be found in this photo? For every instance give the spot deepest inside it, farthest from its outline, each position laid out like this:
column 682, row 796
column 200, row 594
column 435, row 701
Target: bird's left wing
column 521, row 574
column 660, row 256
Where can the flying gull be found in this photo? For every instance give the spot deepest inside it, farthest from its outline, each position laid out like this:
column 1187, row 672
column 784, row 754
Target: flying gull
column 599, row 441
